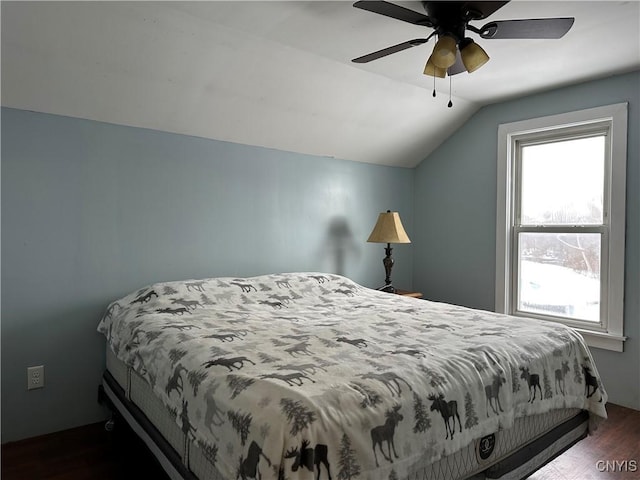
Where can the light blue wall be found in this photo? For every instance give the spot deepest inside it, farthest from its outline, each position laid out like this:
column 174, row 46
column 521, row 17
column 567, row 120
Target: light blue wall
column 92, row 211
column 455, row 215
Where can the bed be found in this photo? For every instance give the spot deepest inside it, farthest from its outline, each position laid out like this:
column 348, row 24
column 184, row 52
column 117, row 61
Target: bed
column 310, row 375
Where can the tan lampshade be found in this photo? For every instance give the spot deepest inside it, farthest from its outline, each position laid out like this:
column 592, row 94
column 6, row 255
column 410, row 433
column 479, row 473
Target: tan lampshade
column 389, row 229
column 473, row 55
column 444, row 53
column 433, row 71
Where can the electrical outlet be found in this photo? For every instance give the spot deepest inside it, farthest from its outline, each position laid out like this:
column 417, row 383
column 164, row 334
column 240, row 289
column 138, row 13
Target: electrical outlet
column 35, row 377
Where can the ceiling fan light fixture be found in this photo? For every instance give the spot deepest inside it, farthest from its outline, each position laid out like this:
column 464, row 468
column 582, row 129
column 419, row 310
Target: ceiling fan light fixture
column 473, row 55
column 444, row 53
column 433, row 71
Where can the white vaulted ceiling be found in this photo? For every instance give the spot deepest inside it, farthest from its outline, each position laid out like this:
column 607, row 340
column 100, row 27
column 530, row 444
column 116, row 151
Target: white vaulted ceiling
column 279, row 74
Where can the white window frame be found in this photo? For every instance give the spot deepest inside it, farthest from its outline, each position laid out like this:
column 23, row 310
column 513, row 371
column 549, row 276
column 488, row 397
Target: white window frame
column 608, row 334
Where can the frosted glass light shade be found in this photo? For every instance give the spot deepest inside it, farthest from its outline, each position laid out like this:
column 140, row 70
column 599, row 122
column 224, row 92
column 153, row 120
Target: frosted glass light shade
column 473, row 55
column 389, row 229
column 433, row 71
column 444, row 53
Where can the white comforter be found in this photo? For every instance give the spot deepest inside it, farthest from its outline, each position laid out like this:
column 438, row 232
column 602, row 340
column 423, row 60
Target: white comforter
column 307, row 374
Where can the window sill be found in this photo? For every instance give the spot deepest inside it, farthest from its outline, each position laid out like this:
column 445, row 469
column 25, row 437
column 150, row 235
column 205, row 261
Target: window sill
column 605, row 341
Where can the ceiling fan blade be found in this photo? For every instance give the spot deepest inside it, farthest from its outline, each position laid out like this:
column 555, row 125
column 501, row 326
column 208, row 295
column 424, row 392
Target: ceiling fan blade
column 531, row 28
column 389, row 50
column 482, row 9
column 394, row 11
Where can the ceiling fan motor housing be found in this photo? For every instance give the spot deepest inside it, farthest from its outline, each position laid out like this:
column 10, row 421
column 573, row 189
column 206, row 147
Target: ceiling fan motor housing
column 450, row 18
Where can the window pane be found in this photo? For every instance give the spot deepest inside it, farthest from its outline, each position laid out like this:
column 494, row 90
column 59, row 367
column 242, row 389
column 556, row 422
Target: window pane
column 563, row 182
column 559, row 274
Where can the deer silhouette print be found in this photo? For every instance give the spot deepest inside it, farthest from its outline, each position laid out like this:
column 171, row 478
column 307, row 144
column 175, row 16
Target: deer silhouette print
column 448, row 410
column 309, row 457
column 173, row 311
column 560, row 374
column 384, row 433
column 248, row 467
column 308, row 368
column 180, row 327
column 589, row 382
column 245, row 287
column 271, row 304
column 292, row 379
column 214, row 416
column 190, row 304
column 533, row 380
column 197, row 286
column 223, row 337
column 175, row 382
column 356, row 342
column 299, row 348
column 390, row 380
column 145, row 298
column 230, row 363
column 493, row 393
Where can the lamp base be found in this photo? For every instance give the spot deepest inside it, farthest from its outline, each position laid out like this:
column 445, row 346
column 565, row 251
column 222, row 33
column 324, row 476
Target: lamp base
column 388, row 289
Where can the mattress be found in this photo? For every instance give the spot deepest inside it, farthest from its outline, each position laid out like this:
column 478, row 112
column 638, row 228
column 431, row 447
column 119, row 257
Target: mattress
column 306, row 374
column 487, row 457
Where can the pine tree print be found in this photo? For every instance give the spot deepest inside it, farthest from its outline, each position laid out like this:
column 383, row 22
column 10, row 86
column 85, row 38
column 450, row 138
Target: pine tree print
column 370, row 398
column 266, row 358
column 195, row 379
column 348, row 466
column 393, row 475
column 151, row 336
column 169, row 290
column 329, row 343
column 515, row 381
column 206, row 300
column 175, row 354
column 218, row 352
column 238, row 384
column 548, row 393
column 209, row 451
column 297, row 415
column 577, row 373
column 435, row 379
column 471, row 419
column 420, row 413
column 241, row 423
column 246, row 300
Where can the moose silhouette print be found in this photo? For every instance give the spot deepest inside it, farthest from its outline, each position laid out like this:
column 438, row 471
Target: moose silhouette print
column 309, row 457
column 448, row 410
column 384, row 433
column 248, row 467
column 590, row 382
column 533, row 380
column 493, row 394
column 560, row 374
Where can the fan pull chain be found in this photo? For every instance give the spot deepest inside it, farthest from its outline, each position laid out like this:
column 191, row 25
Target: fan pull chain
column 450, row 104
column 434, row 86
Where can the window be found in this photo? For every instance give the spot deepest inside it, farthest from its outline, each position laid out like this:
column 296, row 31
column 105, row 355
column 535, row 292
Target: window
column 561, row 219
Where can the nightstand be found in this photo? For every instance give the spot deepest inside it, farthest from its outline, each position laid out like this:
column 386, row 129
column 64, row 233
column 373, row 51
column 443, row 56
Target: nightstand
column 407, row 293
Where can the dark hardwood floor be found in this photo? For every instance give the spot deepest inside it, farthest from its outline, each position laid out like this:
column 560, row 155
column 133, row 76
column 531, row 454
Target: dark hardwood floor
column 91, row 453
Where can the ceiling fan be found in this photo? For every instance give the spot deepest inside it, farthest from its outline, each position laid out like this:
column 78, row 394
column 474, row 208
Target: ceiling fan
column 454, row 51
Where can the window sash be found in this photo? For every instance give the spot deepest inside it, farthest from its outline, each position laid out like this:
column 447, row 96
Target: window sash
column 602, row 324
column 609, row 334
